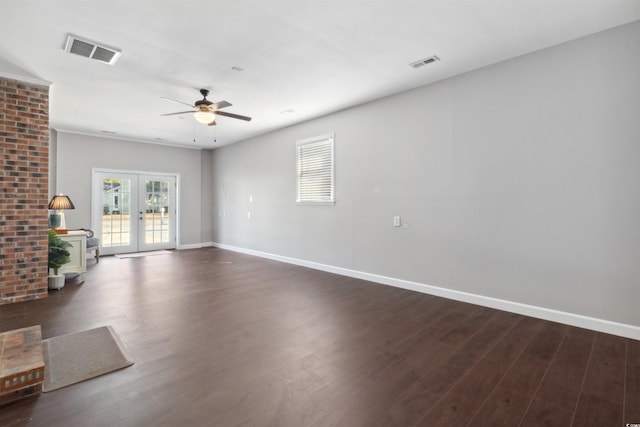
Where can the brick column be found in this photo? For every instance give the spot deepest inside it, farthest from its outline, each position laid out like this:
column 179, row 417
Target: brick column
column 24, row 175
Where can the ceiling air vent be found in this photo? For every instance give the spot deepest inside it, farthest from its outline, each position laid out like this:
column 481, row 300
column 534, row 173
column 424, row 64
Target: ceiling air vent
column 425, row 61
column 89, row 49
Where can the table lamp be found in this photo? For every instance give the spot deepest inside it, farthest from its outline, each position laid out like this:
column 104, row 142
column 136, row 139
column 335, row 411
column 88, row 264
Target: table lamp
column 56, row 221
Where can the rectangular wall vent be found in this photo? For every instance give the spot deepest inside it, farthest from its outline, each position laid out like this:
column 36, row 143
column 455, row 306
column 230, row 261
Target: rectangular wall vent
column 425, row 61
column 92, row 50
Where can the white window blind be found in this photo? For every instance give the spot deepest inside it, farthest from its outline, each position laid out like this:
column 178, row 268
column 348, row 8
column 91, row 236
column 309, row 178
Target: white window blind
column 315, row 170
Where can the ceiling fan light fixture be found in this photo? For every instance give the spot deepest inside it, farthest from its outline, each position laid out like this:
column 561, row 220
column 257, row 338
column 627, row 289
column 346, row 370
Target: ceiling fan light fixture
column 204, row 117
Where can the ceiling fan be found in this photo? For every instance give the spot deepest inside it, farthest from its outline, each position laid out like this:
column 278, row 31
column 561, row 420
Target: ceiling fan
column 206, row 111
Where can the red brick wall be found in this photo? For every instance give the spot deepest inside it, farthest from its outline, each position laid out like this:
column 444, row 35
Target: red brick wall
column 24, row 175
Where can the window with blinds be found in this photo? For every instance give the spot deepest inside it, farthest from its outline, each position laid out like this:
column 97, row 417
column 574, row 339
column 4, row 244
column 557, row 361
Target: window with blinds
column 315, row 170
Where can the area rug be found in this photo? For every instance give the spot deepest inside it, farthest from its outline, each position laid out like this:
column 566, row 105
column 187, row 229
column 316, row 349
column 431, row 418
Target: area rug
column 139, row 254
column 77, row 357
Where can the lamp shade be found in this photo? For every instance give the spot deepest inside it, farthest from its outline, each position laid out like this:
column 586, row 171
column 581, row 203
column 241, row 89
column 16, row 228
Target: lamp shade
column 61, row 202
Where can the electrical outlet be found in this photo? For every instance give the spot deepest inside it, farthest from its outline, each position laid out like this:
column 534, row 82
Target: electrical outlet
column 396, row 221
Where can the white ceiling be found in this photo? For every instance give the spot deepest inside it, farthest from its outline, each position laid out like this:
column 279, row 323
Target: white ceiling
column 311, row 56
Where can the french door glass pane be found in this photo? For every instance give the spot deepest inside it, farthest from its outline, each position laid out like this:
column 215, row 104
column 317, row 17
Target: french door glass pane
column 157, row 212
column 116, row 202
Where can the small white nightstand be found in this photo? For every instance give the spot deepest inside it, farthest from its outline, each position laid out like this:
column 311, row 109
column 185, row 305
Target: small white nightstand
column 78, row 252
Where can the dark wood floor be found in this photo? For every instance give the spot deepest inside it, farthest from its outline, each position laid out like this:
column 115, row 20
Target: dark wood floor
column 225, row 339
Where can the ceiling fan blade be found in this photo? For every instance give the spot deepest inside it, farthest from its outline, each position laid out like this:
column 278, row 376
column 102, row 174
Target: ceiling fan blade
column 221, row 104
column 233, row 116
column 181, row 112
column 213, row 123
column 179, row 102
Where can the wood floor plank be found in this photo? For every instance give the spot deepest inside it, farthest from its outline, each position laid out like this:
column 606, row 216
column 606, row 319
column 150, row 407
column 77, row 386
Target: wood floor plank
column 461, row 333
column 411, row 406
column 546, row 342
column 369, row 408
column 562, row 383
column 507, row 404
column 605, row 374
column 632, row 383
column 542, row 413
column 462, row 401
column 508, row 349
column 445, row 375
column 596, row 412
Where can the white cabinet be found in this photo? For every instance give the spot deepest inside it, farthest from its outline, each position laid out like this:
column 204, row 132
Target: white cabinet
column 78, row 252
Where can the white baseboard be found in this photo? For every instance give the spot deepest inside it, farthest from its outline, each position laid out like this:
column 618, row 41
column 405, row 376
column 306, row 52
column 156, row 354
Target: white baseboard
column 595, row 324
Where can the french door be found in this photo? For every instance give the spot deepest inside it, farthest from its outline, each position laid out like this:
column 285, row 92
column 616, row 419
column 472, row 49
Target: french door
column 134, row 212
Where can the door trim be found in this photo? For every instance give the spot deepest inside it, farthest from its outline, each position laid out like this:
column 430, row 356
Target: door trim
column 94, row 218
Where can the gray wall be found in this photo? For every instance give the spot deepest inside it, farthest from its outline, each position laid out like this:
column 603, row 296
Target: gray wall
column 518, row 181
column 206, row 196
column 78, row 154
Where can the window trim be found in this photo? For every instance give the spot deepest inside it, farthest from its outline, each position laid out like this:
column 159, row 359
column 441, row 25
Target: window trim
column 327, row 138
